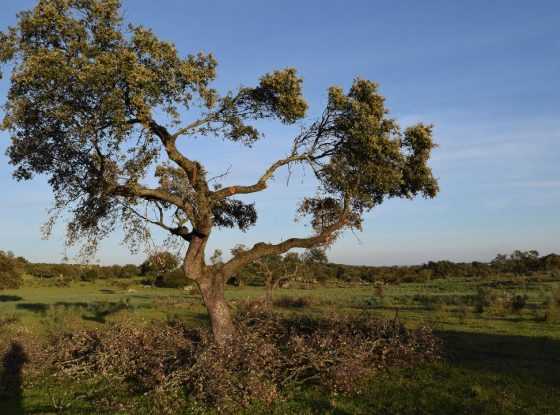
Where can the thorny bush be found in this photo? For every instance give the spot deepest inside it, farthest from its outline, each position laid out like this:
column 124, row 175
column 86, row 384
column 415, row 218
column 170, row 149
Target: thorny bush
column 270, row 354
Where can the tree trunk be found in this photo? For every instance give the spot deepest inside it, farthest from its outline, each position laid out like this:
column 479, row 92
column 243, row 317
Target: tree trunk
column 212, row 290
column 211, row 287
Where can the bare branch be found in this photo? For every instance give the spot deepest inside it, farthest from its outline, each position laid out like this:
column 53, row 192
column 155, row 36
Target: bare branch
column 220, row 176
column 193, row 125
column 181, row 231
column 261, row 184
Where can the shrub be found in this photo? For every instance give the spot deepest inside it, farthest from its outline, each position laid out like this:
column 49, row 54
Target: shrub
column 292, row 302
column 518, row 303
column 484, row 298
column 10, row 271
column 172, row 279
column 270, row 354
column 128, row 271
column 499, row 303
column 89, row 275
column 373, row 302
column 159, row 263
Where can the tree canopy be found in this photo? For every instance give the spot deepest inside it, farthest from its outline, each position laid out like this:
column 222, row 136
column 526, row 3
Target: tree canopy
column 99, row 106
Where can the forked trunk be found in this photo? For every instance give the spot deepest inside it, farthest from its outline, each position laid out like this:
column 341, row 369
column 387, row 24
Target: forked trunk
column 212, row 290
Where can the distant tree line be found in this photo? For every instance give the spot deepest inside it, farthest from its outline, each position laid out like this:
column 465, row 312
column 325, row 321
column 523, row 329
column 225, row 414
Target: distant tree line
column 162, row 269
column 83, row 272
column 313, row 267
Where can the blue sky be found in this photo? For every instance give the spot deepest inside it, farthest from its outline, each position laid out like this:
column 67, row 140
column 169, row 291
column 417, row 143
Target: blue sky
column 486, row 74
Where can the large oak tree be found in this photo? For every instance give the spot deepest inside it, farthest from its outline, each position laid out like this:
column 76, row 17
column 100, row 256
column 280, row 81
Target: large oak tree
column 98, row 107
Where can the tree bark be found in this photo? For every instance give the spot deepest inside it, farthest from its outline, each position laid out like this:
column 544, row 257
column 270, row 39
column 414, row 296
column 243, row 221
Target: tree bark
column 211, row 284
column 212, row 290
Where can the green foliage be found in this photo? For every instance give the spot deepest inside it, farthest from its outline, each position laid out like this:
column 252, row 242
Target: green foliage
column 315, row 256
column 305, row 268
column 278, row 93
column 74, row 272
column 522, row 262
column 172, row 279
column 11, row 269
column 373, row 158
column 90, row 103
column 82, row 85
column 159, row 263
column 485, row 297
column 89, row 274
column 518, row 302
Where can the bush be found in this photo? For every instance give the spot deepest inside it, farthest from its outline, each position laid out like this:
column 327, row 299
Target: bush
column 270, row 354
column 159, row 263
column 497, row 302
column 484, row 298
column 89, row 275
column 292, row 302
column 518, row 303
column 372, row 302
column 172, row 279
column 10, row 271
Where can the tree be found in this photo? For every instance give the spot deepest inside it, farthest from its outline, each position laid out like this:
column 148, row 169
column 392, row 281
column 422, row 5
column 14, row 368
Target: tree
column 274, row 269
column 97, row 108
column 11, row 270
column 315, row 256
column 314, row 266
column 158, row 264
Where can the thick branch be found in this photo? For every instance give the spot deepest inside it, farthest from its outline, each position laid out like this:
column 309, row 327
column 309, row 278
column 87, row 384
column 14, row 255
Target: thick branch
column 169, row 142
column 262, row 249
column 136, row 190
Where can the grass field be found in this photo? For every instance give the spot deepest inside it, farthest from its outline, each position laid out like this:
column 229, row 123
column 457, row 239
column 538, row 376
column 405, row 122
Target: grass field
column 496, row 361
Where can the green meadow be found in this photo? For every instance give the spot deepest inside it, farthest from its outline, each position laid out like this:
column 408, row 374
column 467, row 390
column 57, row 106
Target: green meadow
column 496, row 360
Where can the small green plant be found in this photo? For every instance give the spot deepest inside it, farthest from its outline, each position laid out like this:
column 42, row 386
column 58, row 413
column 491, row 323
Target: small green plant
column 518, row 302
column 373, row 302
column 484, row 298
